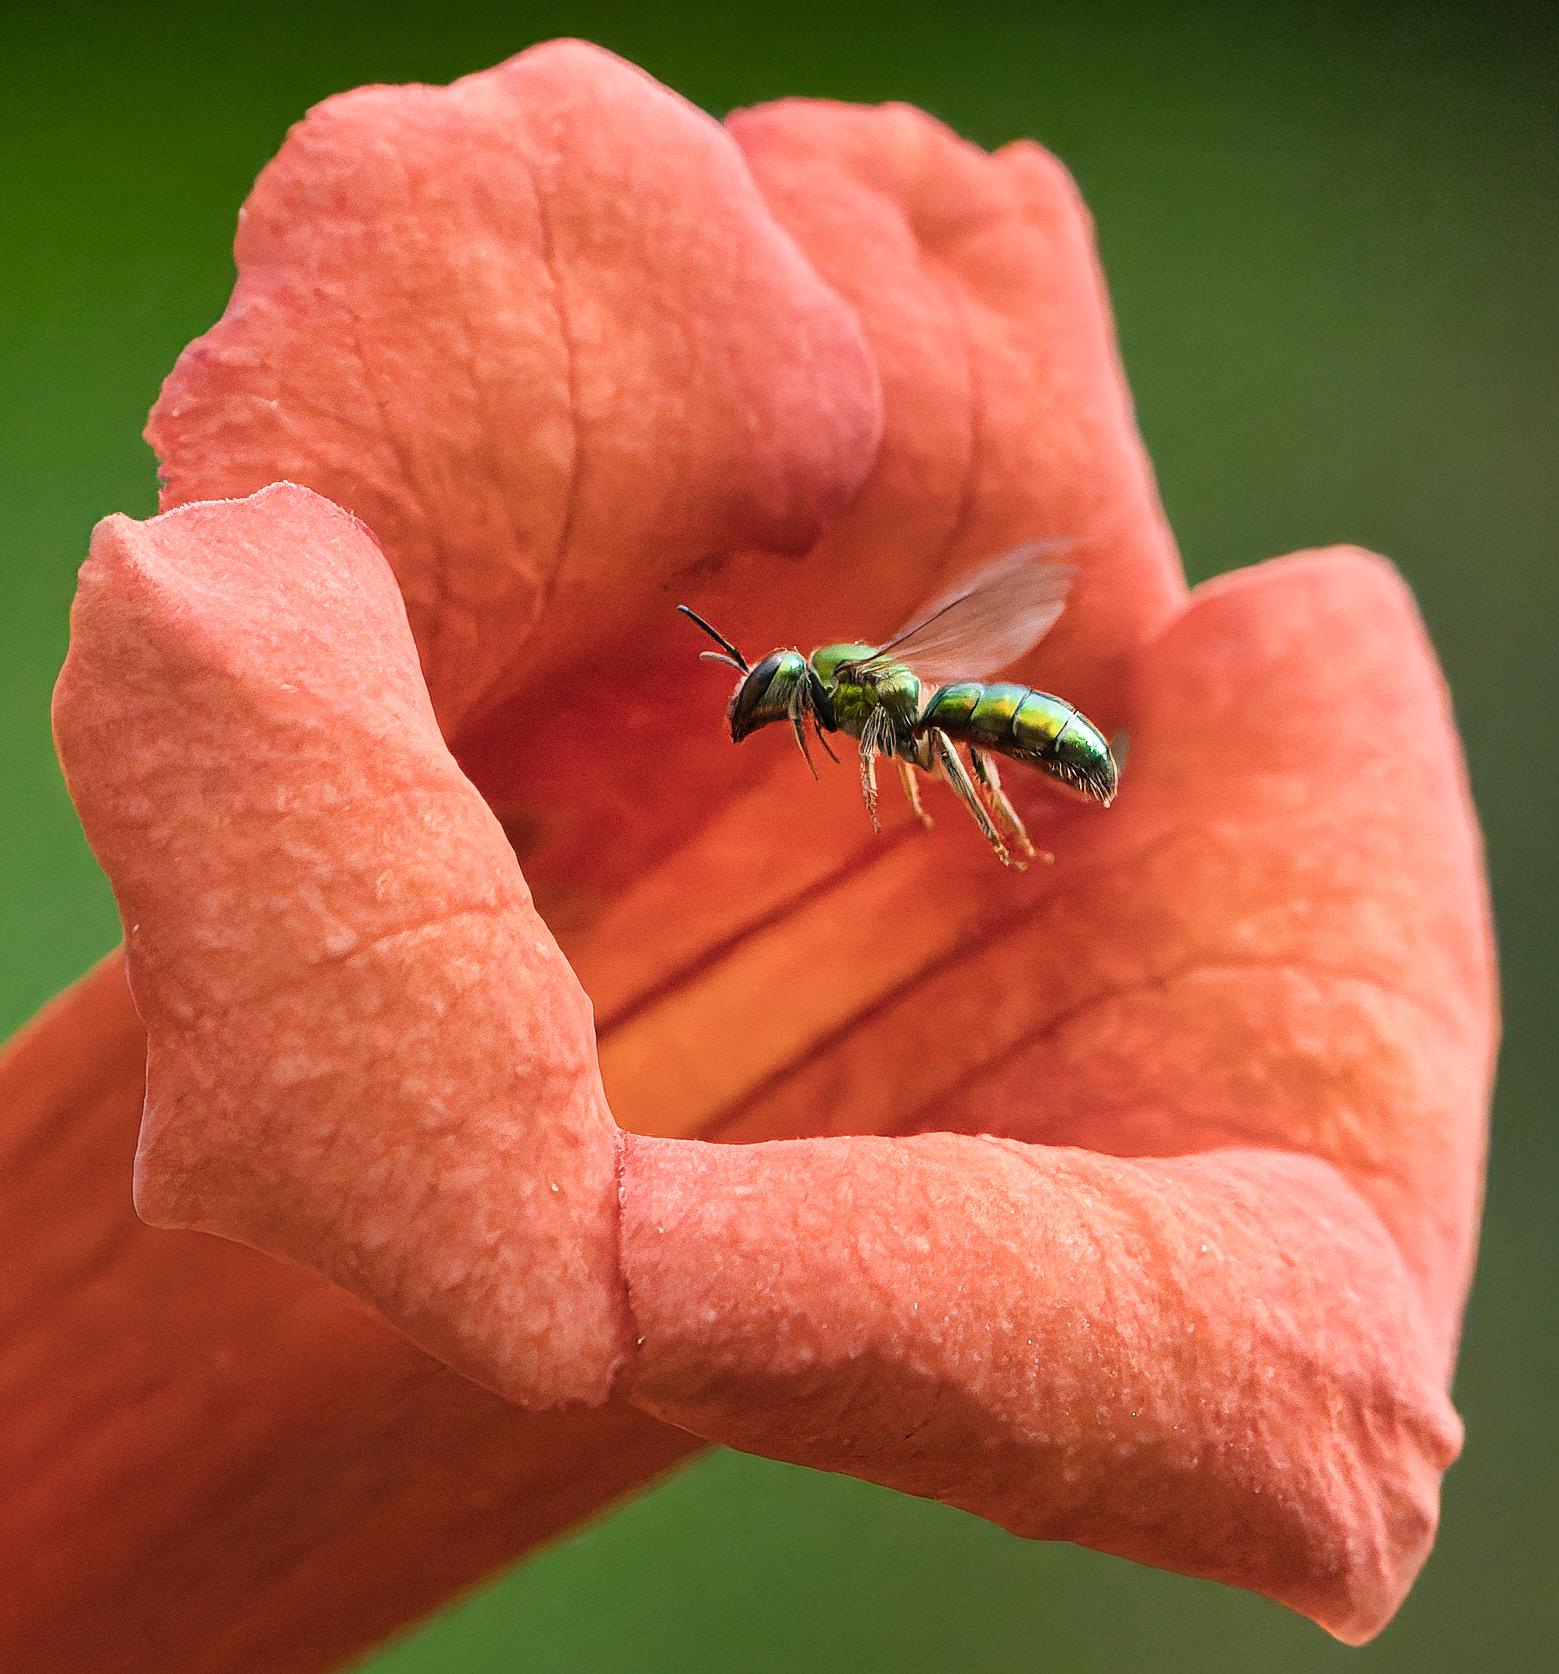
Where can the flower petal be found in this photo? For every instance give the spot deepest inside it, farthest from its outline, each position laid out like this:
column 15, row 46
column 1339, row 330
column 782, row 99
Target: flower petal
column 539, row 330
column 366, row 1051
column 1276, row 982
column 216, row 1460
column 1007, row 417
column 1212, row 1364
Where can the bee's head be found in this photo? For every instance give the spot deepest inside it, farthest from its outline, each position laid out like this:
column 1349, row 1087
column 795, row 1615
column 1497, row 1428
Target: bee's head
column 765, row 693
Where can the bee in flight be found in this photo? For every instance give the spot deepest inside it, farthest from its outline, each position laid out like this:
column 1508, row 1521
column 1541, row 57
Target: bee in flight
column 915, row 700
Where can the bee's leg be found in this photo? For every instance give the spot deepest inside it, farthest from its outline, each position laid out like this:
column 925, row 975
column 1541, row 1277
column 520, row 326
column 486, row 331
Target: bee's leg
column 957, row 775
column 912, row 792
column 869, row 782
column 990, row 782
column 798, row 711
column 876, row 739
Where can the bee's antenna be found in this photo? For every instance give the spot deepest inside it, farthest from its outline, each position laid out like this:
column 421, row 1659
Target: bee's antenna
column 719, row 639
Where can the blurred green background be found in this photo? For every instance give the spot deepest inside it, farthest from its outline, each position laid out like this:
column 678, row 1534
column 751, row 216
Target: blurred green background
column 1333, row 239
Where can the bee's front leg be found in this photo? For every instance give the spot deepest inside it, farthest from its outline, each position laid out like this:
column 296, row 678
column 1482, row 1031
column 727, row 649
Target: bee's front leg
column 876, row 739
column 798, row 714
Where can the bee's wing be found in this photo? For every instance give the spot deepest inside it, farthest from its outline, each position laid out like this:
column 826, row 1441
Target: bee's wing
column 987, row 621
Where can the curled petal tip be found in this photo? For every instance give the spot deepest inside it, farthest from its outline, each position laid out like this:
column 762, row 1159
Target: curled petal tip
column 1142, row 1356
column 365, row 1051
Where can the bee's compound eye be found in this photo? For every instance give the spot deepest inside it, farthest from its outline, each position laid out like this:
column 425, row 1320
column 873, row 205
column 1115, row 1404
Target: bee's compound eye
column 764, row 695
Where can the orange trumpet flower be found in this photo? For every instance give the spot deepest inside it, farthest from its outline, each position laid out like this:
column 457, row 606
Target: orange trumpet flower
column 1130, row 1201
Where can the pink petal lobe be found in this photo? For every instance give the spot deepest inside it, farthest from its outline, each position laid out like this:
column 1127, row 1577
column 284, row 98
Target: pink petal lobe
column 366, row 1052
column 1198, row 1303
column 1309, row 877
column 1211, row 1364
column 1007, row 417
column 539, row 330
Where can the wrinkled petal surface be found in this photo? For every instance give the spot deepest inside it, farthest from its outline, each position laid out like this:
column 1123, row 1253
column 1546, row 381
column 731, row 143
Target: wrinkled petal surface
column 1212, row 1364
column 1006, row 413
column 361, row 1036
column 539, row 330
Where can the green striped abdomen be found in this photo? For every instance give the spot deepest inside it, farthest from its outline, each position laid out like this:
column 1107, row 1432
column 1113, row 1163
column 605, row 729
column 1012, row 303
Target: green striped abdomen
column 1028, row 726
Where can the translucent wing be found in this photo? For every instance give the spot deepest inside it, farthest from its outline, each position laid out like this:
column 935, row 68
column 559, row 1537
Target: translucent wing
column 987, row 621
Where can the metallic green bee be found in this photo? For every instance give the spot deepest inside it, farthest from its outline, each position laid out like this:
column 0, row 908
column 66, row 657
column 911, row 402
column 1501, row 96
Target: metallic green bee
column 914, row 699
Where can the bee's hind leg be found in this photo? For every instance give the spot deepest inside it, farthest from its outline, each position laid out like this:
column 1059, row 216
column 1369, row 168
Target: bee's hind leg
column 990, row 782
column 912, row 793
column 951, row 766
